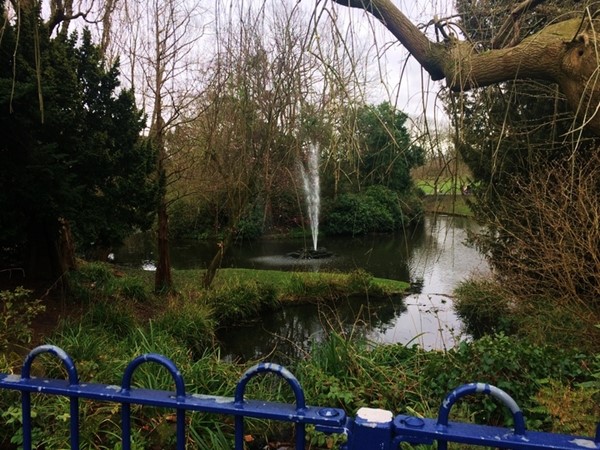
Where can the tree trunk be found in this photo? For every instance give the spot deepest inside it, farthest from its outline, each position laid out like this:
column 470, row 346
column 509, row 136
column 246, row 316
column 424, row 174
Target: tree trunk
column 163, row 281
column 50, row 252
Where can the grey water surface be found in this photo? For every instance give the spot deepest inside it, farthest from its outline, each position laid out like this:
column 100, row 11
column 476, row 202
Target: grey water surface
column 434, row 257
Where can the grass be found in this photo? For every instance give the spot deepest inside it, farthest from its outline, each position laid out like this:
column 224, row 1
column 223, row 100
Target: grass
column 341, row 371
column 289, row 286
column 444, row 196
column 455, row 205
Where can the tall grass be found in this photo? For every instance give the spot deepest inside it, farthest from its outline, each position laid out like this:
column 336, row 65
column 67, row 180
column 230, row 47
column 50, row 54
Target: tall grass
column 342, row 371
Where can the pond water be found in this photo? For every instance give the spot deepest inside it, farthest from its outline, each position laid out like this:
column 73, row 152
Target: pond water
column 434, row 257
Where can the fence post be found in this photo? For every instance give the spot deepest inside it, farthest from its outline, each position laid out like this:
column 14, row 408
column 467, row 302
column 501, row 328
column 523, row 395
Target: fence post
column 372, row 428
column 296, row 389
column 179, row 391
column 69, row 366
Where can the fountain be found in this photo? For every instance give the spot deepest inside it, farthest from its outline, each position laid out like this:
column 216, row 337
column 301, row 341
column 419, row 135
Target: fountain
column 312, row 193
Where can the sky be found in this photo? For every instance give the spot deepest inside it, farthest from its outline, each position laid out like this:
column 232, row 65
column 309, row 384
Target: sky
column 393, row 75
column 400, row 78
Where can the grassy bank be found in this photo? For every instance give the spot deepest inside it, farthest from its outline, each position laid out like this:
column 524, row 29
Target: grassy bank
column 122, row 319
column 447, row 204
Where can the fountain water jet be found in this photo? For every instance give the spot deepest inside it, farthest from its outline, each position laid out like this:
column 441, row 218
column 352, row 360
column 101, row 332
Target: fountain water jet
column 312, row 193
column 312, row 190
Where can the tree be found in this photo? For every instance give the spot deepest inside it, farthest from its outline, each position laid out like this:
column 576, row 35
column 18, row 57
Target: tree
column 160, row 37
column 264, row 103
column 562, row 52
column 387, row 153
column 71, row 157
column 536, row 187
column 244, row 131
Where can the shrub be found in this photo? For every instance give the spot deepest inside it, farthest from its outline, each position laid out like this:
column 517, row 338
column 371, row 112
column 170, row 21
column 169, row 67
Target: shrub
column 484, row 308
column 510, row 363
column 250, row 226
column 90, row 281
column 18, row 311
column 377, row 209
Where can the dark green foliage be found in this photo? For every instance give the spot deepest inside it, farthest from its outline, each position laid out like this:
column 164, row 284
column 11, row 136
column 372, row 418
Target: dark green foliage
column 190, row 323
column 250, row 224
column 189, row 220
column 514, row 365
column 536, row 182
column 71, row 148
column 388, row 154
column 97, row 280
column 351, row 374
column 90, row 282
column 378, row 209
column 117, row 317
column 17, row 312
column 130, row 288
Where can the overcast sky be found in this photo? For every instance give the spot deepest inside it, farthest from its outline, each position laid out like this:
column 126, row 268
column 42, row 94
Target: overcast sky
column 402, row 79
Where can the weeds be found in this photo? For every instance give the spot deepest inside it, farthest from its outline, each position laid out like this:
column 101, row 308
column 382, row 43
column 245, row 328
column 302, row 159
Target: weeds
column 17, row 313
column 190, row 323
column 484, row 308
column 342, row 371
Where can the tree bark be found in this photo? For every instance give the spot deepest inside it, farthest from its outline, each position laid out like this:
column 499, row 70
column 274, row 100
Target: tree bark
column 564, row 53
column 163, row 282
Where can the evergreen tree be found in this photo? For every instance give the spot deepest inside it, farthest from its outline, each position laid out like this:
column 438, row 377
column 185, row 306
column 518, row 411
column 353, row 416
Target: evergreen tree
column 71, row 156
column 387, row 155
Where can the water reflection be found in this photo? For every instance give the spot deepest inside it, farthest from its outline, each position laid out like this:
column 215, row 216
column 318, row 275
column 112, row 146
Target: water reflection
column 433, row 255
column 288, row 333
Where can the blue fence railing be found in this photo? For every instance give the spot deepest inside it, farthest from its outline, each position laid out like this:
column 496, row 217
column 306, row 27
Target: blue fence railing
column 371, row 428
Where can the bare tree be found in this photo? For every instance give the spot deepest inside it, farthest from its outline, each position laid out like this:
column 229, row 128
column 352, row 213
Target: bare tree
column 159, row 40
column 268, row 96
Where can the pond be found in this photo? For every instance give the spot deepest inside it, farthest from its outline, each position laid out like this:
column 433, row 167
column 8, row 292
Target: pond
column 434, row 257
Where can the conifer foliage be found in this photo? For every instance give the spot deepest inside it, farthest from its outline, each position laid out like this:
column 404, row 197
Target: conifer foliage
column 74, row 173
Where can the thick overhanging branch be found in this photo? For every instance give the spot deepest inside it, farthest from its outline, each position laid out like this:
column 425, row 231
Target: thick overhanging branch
column 426, row 52
column 457, row 61
column 565, row 53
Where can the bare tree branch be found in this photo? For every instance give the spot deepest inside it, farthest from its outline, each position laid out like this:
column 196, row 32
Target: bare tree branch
column 511, row 22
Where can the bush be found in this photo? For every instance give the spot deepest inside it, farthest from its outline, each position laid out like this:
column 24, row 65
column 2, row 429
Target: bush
column 18, row 311
column 510, row 363
column 91, row 280
column 96, row 280
column 484, row 308
column 250, row 226
column 188, row 220
column 377, row 209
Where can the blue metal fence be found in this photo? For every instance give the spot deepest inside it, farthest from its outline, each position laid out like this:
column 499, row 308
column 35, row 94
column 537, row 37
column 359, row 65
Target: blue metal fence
column 371, row 428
